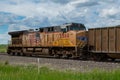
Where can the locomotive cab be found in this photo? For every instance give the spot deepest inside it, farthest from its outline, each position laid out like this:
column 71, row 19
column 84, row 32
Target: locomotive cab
column 72, row 27
column 73, row 37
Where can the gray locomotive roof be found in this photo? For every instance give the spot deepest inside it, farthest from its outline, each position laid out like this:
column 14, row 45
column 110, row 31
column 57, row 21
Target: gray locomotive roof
column 66, row 24
column 17, row 32
column 31, row 30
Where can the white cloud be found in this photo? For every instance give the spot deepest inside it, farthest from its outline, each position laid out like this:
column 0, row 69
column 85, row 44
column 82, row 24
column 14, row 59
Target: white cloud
column 37, row 13
column 4, row 38
column 78, row 1
column 15, row 27
column 31, row 9
column 55, row 12
column 109, row 12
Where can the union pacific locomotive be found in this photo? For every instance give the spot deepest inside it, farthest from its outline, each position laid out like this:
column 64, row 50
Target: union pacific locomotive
column 70, row 40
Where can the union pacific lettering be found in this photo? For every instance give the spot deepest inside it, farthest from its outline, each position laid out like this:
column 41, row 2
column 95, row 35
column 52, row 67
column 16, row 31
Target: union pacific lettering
column 64, row 35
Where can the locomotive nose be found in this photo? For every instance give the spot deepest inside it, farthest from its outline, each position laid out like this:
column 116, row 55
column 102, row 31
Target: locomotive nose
column 81, row 38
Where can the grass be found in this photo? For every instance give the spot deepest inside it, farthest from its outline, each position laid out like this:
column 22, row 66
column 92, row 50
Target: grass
column 3, row 48
column 8, row 72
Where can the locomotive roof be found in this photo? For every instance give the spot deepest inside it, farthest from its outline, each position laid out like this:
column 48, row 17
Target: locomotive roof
column 31, row 30
column 17, row 32
column 66, row 24
column 60, row 27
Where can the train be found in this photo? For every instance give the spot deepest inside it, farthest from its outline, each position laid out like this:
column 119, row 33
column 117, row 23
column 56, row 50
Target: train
column 70, row 40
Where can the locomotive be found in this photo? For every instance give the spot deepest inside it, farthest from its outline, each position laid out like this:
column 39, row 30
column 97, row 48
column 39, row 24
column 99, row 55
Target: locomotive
column 70, row 40
column 66, row 40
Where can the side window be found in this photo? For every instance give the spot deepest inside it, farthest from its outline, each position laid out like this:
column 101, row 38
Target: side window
column 45, row 29
column 68, row 28
column 37, row 34
column 74, row 28
column 63, row 29
column 41, row 29
column 50, row 29
column 57, row 29
column 77, row 27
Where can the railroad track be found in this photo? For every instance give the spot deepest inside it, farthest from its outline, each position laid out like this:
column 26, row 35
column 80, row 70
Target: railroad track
column 3, row 54
column 62, row 64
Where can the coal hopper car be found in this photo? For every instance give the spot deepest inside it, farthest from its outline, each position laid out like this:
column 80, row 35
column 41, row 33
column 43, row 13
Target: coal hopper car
column 104, row 42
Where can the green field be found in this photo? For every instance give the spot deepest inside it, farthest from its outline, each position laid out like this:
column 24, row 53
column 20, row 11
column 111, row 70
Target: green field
column 3, row 48
column 8, row 72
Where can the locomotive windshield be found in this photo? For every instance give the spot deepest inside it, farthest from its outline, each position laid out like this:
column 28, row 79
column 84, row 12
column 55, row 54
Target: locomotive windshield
column 77, row 27
column 73, row 26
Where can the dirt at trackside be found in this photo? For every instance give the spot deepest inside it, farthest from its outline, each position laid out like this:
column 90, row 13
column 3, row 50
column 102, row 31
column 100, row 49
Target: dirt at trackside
column 61, row 64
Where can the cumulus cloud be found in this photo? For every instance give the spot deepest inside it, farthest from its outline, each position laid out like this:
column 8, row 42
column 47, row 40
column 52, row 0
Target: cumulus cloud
column 26, row 14
column 57, row 12
column 109, row 12
column 4, row 38
column 84, row 3
column 8, row 18
column 16, row 27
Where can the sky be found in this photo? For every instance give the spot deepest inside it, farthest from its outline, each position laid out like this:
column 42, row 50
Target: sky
column 31, row 14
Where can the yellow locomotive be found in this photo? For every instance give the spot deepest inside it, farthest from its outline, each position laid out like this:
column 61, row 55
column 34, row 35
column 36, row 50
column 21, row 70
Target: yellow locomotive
column 67, row 40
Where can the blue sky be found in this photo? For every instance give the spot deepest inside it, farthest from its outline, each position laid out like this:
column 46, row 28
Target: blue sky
column 26, row 14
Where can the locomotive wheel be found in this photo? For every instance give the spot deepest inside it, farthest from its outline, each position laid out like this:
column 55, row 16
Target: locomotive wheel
column 56, row 56
column 8, row 53
column 30, row 55
column 69, row 55
column 112, row 59
column 60, row 55
column 18, row 54
column 23, row 54
column 64, row 56
column 12, row 53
